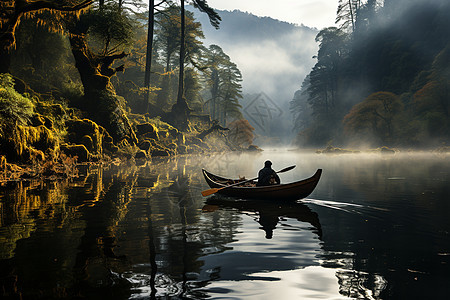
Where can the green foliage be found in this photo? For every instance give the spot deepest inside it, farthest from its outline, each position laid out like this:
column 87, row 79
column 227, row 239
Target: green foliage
column 192, row 89
column 15, row 109
column 44, row 61
column 18, row 139
column 167, row 46
column 223, row 85
column 111, row 28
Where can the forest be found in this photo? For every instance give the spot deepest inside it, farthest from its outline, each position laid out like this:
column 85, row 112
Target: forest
column 100, row 80
column 382, row 78
column 89, row 81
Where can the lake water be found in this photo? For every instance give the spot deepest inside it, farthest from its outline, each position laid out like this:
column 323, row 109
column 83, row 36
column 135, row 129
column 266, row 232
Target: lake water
column 376, row 227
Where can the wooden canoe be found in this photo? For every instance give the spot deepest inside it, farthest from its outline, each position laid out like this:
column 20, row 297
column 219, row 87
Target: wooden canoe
column 287, row 191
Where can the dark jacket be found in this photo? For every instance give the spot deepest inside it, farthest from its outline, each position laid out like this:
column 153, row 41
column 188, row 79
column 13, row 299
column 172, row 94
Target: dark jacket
column 265, row 175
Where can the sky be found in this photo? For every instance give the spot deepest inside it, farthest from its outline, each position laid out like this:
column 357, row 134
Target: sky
column 311, row 13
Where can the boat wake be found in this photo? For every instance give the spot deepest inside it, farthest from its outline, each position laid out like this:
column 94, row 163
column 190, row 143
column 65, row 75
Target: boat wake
column 351, row 208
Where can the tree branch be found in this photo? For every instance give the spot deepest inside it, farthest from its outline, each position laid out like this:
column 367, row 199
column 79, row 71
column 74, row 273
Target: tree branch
column 37, row 5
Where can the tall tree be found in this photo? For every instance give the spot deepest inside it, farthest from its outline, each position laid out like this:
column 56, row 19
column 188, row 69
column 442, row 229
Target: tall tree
column 223, row 80
column 109, row 23
column 148, row 56
column 180, row 110
column 168, row 42
column 299, row 107
column 346, row 14
column 324, row 77
column 11, row 12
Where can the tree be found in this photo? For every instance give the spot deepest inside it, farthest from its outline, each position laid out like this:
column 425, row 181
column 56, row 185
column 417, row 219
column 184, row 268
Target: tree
column 11, row 12
column 168, row 42
column 109, row 23
column 323, row 79
column 431, row 103
column 346, row 14
column 223, row 80
column 43, row 59
column 180, row 110
column 148, row 56
column 230, row 93
column 299, row 107
column 376, row 115
column 241, row 132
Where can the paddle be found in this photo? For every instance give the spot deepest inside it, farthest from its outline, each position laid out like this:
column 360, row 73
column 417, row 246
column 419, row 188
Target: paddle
column 215, row 190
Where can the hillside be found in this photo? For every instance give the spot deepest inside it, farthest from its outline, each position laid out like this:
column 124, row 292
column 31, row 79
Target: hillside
column 273, row 56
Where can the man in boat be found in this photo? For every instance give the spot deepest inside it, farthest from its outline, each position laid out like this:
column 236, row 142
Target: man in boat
column 267, row 176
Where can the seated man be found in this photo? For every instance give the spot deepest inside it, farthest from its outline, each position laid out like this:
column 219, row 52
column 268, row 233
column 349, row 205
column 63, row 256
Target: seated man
column 267, row 176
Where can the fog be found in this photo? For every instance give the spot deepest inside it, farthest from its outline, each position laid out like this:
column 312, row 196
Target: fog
column 387, row 53
column 276, row 65
column 274, row 57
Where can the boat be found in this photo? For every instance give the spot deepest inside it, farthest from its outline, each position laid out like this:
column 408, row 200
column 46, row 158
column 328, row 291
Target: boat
column 283, row 192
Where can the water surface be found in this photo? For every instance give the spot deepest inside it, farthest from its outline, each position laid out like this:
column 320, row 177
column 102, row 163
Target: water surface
column 376, row 227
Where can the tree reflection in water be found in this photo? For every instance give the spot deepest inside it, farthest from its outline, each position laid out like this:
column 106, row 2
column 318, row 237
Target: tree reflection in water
column 129, row 232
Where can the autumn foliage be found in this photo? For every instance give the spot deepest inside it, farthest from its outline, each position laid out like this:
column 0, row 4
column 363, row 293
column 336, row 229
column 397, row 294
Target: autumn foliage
column 241, row 132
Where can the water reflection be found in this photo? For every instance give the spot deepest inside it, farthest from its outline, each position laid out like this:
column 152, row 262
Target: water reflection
column 375, row 228
column 269, row 213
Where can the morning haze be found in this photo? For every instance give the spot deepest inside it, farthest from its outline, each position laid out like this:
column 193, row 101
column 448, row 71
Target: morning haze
column 146, row 155
column 273, row 56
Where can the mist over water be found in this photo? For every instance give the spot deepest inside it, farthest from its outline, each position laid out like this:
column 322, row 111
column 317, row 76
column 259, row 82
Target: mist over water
column 375, row 225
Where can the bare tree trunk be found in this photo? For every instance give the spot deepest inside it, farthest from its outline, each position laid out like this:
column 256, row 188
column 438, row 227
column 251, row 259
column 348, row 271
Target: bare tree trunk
column 179, row 115
column 148, row 58
column 182, row 54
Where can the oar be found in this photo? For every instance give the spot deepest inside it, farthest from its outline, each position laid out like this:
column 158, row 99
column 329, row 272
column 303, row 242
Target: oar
column 215, row 190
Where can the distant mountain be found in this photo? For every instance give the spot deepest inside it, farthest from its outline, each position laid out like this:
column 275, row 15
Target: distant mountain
column 273, row 56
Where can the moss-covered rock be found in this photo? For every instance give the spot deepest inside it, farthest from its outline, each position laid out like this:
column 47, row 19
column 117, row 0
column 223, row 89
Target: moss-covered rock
column 28, row 143
column 42, row 138
column 147, row 130
column 195, row 141
column 107, row 110
column 79, row 151
column 37, row 120
column 33, row 155
column 145, row 145
column 107, row 141
column 88, row 143
column 160, row 152
column 85, row 132
column 140, row 154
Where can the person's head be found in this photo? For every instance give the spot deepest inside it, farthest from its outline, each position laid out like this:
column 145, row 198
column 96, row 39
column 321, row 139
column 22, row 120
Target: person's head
column 268, row 164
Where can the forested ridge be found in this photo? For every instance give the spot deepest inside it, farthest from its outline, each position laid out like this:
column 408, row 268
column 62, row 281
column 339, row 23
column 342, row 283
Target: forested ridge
column 382, row 78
